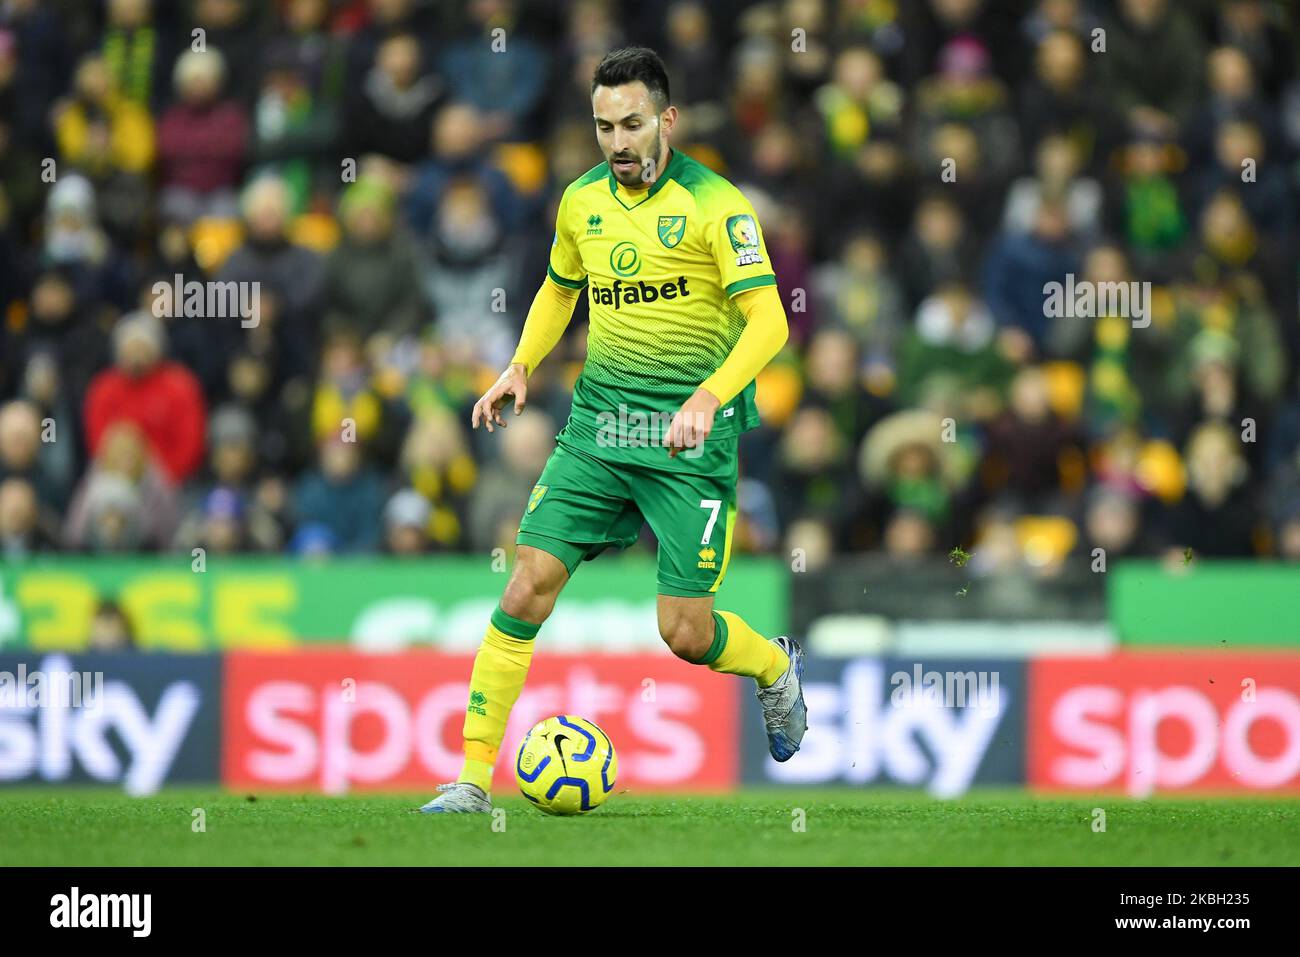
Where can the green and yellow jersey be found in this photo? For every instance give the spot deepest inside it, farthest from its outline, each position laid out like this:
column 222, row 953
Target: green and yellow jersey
column 660, row 267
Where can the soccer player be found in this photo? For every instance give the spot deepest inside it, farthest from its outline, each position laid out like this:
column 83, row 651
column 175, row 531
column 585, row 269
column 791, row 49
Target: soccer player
column 684, row 314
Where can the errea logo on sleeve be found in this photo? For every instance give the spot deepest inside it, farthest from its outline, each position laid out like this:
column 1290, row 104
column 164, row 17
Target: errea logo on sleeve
column 743, row 234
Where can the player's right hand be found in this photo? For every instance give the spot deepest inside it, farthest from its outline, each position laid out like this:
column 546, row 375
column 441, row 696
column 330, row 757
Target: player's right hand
column 512, row 384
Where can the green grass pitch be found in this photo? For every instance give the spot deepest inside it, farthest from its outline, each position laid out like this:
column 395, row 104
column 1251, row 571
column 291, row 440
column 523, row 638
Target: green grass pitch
column 755, row 827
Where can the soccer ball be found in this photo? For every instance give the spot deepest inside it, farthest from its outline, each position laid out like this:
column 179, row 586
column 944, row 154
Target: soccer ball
column 566, row 765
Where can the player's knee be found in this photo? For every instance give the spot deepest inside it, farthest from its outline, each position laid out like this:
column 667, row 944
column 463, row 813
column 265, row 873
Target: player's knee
column 685, row 637
column 534, row 585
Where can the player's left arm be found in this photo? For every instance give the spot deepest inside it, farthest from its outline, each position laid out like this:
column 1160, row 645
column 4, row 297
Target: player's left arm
column 741, row 255
column 766, row 331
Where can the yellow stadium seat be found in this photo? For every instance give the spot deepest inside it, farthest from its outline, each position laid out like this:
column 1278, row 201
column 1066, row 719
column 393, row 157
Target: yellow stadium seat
column 1066, row 382
column 319, row 232
column 777, row 391
column 524, row 164
column 213, row 240
column 1160, row 468
column 1045, row 539
column 707, row 154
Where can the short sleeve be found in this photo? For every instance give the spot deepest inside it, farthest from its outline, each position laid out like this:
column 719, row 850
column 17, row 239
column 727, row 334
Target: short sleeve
column 737, row 244
column 565, row 264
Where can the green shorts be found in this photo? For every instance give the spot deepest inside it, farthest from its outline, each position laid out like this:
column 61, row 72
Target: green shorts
column 582, row 505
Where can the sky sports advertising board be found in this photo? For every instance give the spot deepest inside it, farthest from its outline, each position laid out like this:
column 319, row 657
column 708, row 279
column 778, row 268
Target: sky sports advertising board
column 336, row 722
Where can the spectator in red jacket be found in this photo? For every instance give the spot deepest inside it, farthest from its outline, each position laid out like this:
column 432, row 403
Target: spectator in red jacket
column 161, row 396
column 202, row 143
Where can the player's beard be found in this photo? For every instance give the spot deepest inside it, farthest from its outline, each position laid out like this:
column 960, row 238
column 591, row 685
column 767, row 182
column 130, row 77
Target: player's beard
column 633, row 179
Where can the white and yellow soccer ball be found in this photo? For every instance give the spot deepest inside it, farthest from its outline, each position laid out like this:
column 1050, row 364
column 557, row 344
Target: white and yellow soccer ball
column 566, row 765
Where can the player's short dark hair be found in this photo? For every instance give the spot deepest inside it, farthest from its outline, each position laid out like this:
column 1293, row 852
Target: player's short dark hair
column 631, row 64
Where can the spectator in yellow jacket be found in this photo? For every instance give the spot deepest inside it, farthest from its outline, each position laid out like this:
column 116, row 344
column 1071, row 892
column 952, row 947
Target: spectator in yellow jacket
column 98, row 130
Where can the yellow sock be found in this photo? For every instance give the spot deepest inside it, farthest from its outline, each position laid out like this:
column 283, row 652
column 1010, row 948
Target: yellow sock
column 500, row 668
column 738, row 649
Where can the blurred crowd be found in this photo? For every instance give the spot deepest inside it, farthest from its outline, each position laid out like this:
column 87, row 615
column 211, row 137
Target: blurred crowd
column 388, row 171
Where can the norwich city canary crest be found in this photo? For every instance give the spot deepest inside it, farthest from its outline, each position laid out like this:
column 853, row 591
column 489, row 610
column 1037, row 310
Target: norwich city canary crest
column 671, row 230
column 535, row 499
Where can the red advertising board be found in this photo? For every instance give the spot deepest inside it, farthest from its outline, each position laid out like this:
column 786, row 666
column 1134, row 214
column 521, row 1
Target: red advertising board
column 1157, row 723
column 342, row 721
